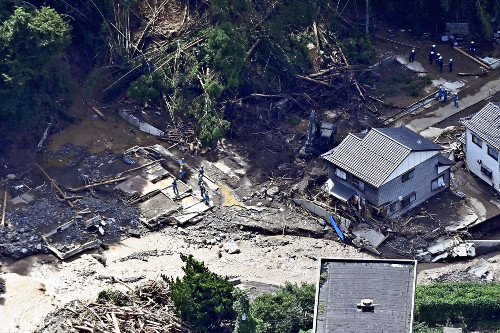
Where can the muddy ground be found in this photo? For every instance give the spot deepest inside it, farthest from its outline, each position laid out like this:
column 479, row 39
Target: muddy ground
column 282, row 242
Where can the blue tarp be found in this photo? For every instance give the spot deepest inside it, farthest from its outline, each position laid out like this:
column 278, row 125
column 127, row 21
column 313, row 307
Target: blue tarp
column 337, row 229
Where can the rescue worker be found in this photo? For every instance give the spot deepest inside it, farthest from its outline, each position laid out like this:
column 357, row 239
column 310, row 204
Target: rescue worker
column 207, row 199
column 440, row 64
column 450, row 64
column 412, row 55
column 175, row 188
column 456, row 100
column 472, row 48
column 437, row 56
column 431, row 58
column 440, row 94
column 433, row 48
column 445, row 100
column 182, row 172
column 202, row 189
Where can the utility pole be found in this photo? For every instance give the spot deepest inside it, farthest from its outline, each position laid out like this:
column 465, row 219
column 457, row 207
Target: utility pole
column 367, row 17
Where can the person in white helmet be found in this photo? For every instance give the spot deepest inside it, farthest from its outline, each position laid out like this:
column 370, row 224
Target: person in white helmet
column 450, row 64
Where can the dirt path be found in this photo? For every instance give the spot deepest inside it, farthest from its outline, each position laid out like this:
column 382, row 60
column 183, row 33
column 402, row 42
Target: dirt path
column 37, row 284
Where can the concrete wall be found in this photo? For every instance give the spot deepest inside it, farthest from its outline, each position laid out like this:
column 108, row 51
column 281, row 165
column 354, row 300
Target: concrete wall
column 474, row 153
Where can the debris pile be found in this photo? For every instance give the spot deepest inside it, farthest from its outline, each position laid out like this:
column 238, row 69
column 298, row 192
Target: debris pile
column 147, row 309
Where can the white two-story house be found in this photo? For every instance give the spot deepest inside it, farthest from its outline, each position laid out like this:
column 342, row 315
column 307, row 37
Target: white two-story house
column 482, row 144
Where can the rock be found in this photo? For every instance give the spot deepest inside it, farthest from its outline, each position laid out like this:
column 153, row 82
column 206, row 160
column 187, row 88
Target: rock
column 99, row 257
column 273, row 191
column 212, row 241
column 39, row 246
column 18, row 201
column 134, row 233
column 26, row 197
column 10, row 176
column 127, row 160
column 101, row 231
column 424, row 256
column 24, row 250
column 231, row 248
column 259, row 204
column 234, row 281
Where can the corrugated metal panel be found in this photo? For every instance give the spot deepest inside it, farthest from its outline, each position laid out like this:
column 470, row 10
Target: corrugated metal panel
column 486, row 124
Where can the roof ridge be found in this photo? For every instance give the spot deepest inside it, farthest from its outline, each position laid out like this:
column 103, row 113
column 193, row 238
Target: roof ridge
column 391, row 138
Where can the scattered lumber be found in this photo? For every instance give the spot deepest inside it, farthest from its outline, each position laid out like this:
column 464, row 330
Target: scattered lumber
column 377, row 99
column 140, row 167
column 103, row 182
column 53, row 182
column 253, row 47
column 99, row 113
column 4, row 206
column 482, row 73
column 315, row 81
column 315, row 28
column 353, row 78
column 471, row 57
column 395, row 41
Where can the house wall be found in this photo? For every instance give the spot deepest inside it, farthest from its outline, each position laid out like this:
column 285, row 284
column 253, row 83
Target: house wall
column 474, row 153
column 415, row 158
column 424, row 174
column 390, row 192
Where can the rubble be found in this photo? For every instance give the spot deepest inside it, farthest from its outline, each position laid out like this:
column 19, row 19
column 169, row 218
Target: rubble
column 231, row 248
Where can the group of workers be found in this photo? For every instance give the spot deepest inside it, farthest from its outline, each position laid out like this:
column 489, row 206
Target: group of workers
column 436, row 56
column 443, row 93
column 203, row 190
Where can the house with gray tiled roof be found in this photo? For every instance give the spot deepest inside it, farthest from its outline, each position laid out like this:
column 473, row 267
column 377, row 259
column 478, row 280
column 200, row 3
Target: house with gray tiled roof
column 482, row 144
column 386, row 171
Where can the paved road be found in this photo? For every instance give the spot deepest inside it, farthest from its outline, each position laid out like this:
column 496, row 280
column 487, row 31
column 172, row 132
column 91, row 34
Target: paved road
column 445, row 111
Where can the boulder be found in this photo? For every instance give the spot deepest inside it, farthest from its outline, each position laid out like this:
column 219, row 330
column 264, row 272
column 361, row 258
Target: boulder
column 231, row 248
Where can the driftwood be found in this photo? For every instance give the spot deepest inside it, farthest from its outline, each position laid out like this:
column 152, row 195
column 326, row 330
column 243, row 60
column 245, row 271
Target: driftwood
column 253, row 47
column 315, row 81
column 395, row 41
column 53, row 182
column 44, row 137
column 99, row 113
column 4, row 207
column 483, row 73
column 104, row 182
column 471, row 57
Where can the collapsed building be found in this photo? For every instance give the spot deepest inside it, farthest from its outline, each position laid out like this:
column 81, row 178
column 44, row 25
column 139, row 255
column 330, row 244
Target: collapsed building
column 386, row 172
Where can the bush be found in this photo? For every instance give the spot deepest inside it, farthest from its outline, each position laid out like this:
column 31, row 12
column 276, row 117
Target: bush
column 291, row 309
column 437, row 302
column 201, row 298
column 114, row 296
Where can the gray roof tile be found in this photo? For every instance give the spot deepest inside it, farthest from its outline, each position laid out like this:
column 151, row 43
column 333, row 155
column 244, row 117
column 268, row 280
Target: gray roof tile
column 486, row 124
column 374, row 156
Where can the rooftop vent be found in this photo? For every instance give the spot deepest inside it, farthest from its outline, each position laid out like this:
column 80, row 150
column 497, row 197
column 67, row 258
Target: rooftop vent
column 366, row 305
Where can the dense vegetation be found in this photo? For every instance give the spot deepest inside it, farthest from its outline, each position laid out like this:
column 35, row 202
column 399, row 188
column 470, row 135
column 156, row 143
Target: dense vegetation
column 229, row 49
column 458, row 302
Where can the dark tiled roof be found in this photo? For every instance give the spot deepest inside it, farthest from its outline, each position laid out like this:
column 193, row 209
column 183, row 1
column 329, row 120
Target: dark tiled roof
column 442, row 160
column 389, row 283
column 486, row 124
column 374, row 156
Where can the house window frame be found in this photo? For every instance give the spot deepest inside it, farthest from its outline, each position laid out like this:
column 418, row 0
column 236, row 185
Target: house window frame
column 341, row 173
column 493, row 155
column 437, row 186
column 358, row 183
column 486, row 171
column 407, row 200
column 477, row 141
column 407, row 175
column 393, row 206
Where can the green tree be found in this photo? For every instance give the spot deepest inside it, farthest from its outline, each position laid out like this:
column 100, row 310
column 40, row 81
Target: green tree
column 202, row 298
column 30, row 41
column 289, row 310
column 245, row 323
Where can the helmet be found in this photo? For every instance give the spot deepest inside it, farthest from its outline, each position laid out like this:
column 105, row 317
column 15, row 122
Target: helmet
column 451, row 59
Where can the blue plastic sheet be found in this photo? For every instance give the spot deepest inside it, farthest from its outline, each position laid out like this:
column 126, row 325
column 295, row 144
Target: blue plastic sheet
column 337, row 229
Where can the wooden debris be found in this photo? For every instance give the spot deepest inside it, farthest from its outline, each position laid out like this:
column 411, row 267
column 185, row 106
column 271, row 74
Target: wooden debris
column 99, row 113
column 471, row 57
column 482, row 73
column 395, row 41
column 315, row 81
column 139, row 167
column 315, row 29
column 253, row 47
column 103, row 182
column 115, row 323
column 352, row 76
column 4, row 206
column 53, row 182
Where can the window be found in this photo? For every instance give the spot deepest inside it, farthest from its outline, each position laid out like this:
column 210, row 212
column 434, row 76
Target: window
column 485, row 171
column 359, row 183
column 393, row 207
column 408, row 199
column 340, row 173
column 477, row 141
column 407, row 175
column 493, row 153
column 437, row 183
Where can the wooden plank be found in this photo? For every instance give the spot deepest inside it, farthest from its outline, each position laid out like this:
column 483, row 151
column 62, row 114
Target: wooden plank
column 99, row 113
column 4, row 207
column 471, row 57
column 104, row 182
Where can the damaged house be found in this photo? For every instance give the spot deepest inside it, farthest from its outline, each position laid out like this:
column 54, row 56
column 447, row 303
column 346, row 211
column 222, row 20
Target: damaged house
column 482, row 143
column 386, row 172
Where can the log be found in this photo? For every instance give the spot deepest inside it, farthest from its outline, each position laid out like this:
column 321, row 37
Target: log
column 253, row 47
column 4, row 206
column 115, row 323
column 140, row 167
column 483, row 73
column 104, row 182
column 315, row 81
column 99, row 113
column 72, row 205
column 315, row 28
column 471, row 57
column 395, row 41
column 355, row 81
column 378, row 100
column 268, row 96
